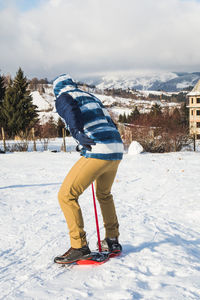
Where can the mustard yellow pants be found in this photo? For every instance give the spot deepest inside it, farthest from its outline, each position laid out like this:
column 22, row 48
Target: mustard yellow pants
column 82, row 174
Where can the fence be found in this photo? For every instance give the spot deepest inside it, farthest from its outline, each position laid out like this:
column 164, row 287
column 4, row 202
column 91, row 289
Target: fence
column 66, row 144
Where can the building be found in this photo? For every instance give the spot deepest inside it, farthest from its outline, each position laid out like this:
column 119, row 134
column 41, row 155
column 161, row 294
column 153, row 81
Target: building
column 194, row 111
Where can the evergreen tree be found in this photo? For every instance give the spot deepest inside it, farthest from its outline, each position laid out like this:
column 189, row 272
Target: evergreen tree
column 2, row 94
column 134, row 115
column 124, row 118
column 120, row 118
column 17, row 109
column 155, row 110
column 2, row 89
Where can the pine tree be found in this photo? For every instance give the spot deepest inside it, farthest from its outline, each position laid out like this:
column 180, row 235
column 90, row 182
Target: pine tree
column 18, row 110
column 2, row 94
column 2, row 89
column 120, row 118
column 155, row 110
column 134, row 115
column 124, row 118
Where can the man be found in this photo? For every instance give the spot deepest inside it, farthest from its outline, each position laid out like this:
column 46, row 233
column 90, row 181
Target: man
column 102, row 150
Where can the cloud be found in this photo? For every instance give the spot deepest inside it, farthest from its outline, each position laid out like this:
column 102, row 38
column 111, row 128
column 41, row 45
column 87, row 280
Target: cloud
column 93, row 36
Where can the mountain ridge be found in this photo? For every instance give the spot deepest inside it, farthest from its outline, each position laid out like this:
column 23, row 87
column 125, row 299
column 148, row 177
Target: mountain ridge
column 150, row 81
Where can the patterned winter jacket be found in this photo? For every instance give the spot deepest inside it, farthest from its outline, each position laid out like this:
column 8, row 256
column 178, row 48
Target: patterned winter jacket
column 84, row 112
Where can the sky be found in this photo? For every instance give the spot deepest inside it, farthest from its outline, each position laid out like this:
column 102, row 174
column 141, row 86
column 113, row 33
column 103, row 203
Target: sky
column 91, row 37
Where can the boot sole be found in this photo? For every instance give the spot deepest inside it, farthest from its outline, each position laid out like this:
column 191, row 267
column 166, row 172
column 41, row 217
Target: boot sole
column 62, row 262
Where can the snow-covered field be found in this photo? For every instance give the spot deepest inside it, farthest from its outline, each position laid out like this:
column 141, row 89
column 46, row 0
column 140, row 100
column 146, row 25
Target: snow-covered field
column 157, row 200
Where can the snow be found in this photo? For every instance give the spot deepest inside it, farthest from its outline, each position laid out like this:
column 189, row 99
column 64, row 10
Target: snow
column 142, row 80
column 40, row 101
column 120, row 105
column 45, row 103
column 158, row 93
column 157, row 201
column 135, row 148
column 120, row 111
column 196, row 90
column 182, row 85
column 46, row 116
column 193, row 94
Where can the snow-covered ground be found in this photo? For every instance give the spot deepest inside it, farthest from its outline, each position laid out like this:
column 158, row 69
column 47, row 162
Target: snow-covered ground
column 157, row 201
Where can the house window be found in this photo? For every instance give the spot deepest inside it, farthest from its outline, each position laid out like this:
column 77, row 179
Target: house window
column 192, row 112
column 198, row 112
column 191, row 100
column 198, row 100
column 198, row 136
column 198, row 124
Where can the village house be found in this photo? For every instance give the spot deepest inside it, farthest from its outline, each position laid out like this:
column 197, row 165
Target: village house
column 194, row 111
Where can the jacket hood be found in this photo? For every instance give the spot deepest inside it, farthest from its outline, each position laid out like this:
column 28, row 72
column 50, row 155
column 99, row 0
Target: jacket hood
column 63, row 83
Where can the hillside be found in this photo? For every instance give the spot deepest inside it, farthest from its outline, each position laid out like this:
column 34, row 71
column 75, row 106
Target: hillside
column 45, row 101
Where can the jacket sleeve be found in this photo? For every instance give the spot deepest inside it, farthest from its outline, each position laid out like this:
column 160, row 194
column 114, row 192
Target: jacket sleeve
column 69, row 110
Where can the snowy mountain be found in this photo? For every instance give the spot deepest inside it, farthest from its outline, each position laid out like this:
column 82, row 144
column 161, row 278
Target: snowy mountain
column 167, row 81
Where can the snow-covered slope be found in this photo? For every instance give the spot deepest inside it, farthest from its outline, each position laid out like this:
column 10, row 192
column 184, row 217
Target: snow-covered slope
column 154, row 81
column 157, row 201
column 40, row 101
column 45, row 103
column 43, row 98
column 118, row 105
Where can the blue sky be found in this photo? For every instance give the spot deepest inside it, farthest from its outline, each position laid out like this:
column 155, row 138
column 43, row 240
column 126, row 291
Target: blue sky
column 22, row 5
column 80, row 37
column 25, row 5
column 28, row 4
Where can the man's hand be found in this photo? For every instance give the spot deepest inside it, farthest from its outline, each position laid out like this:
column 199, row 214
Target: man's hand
column 84, row 140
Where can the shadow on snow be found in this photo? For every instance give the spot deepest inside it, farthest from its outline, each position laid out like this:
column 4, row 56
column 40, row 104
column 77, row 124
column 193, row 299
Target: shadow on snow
column 28, row 185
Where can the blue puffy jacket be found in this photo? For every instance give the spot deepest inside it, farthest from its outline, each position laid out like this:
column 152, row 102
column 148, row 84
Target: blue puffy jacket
column 88, row 120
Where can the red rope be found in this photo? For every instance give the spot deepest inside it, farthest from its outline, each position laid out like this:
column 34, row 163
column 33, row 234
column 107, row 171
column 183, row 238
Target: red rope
column 96, row 219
